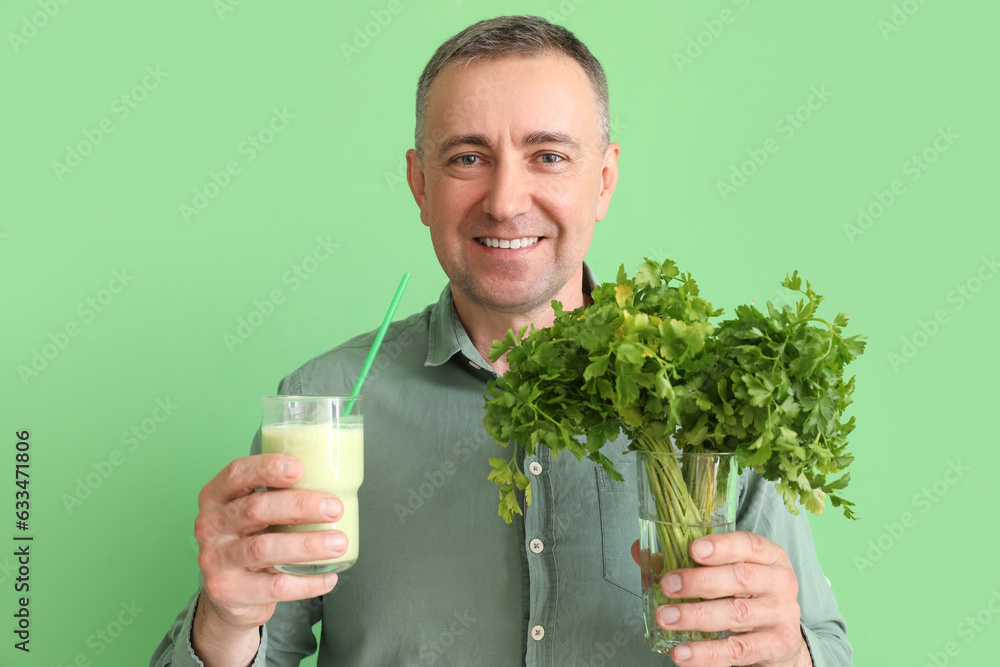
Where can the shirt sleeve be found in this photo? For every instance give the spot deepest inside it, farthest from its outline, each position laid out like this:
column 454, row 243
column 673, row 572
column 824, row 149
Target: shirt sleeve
column 176, row 651
column 763, row 512
column 290, row 626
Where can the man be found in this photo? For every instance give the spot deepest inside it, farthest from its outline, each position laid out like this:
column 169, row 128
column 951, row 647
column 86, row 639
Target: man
column 512, row 167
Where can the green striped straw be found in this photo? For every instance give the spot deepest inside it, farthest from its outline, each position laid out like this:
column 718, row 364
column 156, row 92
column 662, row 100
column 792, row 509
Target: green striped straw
column 378, row 342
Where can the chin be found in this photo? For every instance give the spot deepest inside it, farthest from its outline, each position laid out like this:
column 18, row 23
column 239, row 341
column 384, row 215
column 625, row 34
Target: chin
column 520, row 295
column 514, row 304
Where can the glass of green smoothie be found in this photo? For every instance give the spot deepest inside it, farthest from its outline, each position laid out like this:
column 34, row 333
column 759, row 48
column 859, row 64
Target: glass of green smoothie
column 326, row 433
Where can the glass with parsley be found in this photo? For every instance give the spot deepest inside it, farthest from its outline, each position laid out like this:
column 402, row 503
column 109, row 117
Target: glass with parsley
column 647, row 360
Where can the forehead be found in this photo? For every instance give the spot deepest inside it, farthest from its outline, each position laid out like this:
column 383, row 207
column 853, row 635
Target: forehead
column 514, row 93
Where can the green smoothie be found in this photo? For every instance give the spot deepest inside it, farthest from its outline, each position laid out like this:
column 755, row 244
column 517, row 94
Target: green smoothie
column 333, row 457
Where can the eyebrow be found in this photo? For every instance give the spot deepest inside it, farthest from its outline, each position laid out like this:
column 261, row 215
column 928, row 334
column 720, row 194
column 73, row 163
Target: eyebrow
column 531, row 139
column 550, row 137
column 450, row 143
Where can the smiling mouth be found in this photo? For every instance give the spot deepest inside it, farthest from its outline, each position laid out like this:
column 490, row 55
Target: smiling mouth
column 513, row 244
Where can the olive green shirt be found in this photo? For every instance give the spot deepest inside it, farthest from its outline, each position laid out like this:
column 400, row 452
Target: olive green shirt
column 440, row 578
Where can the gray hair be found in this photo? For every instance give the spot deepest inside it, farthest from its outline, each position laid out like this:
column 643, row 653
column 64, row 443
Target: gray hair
column 508, row 36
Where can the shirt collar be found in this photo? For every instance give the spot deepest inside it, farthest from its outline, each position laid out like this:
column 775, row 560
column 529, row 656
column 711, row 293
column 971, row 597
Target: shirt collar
column 448, row 337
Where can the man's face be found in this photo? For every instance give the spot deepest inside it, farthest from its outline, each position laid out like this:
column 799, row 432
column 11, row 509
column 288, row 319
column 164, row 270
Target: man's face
column 512, row 158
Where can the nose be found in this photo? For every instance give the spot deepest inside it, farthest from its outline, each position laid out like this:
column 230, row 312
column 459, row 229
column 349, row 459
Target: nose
column 509, row 191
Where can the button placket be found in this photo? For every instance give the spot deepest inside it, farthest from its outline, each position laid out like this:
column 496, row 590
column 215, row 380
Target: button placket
column 538, row 522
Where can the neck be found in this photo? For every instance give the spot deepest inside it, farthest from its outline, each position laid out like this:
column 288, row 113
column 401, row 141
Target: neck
column 485, row 325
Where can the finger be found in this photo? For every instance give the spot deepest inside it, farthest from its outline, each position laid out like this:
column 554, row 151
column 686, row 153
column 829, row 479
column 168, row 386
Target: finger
column 738, row 579
column 732, row 614
column 253, row 513
column 743, row 649
column 647, row 569
column 737, row 547
column 641, row 558
column 266, row 588
column 263, row 551
column 242, row 476
column 283, row 507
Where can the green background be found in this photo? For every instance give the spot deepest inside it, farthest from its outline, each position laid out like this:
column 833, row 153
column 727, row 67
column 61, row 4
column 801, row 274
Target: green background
column 895, row 76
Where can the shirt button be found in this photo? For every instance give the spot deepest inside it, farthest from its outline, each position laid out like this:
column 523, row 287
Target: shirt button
column 537, row 632
column 474, row 365
column 536, row 546
column 535, row 468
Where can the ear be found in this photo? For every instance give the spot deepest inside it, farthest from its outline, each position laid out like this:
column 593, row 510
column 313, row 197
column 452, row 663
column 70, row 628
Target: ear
column 609, row 179
column 415, row 179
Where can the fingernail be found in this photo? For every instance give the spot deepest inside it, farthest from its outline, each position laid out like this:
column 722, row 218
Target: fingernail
column 682, row 652
column 702, row 548
column 329, row 579
column 286, row 468
column 671, row 583
column 667, row 615
column 336, row 541
column 333, row 508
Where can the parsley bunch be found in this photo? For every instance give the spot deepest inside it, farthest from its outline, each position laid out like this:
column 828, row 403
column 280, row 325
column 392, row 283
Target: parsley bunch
column 646, row 359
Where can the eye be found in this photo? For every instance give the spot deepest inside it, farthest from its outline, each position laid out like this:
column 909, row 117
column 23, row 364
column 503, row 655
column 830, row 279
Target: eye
column 551, row 158
column 467, row 160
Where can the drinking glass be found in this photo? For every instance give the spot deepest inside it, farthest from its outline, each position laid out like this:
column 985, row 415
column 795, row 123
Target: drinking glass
column 326, row 433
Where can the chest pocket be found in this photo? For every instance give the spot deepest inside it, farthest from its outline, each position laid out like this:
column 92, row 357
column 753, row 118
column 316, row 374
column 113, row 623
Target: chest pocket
column 619, row 506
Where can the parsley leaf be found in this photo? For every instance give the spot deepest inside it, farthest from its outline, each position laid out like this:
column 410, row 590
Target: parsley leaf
column 648, row 360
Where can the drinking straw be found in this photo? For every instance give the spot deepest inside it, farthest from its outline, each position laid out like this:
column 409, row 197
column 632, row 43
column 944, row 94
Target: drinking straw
column 378, row 341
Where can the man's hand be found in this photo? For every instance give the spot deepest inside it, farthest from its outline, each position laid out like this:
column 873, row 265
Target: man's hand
column 749, row 588
column 237, row 555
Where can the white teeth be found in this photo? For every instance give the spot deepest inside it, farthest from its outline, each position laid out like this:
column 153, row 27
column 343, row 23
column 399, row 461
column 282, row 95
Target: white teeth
column 513, row 244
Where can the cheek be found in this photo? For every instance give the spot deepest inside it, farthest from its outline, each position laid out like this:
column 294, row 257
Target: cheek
column 575, row 209
column 452, row 199
column 574, row 197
